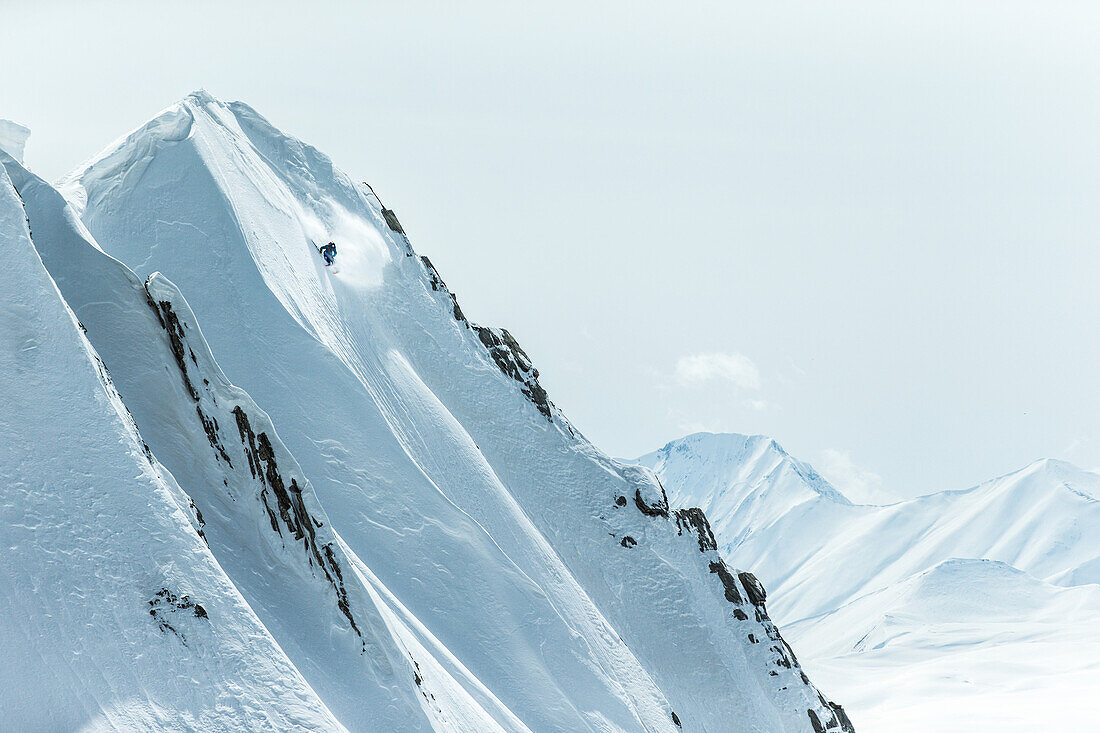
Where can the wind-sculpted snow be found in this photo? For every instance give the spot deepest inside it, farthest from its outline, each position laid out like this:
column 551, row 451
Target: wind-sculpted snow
column 936, row 606
column 115, row 615
column 363, row 692
column 251, row 502
column 524, row 575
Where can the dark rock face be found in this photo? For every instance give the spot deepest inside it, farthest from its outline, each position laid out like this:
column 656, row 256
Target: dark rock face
column 166, row 609
column 418, row 678
column 287, row 511
column 459, row 315
column 392, row 222
column 513, row 361
column 764, row 632
column 676, row 719
column 728, row 581
column 753, row 588
column 834, row 718
column 292, row 512
column 842, row 718
column 790, row 653
column 433, row 275
column 177, row 340
column 438, row 285
column 210, row 425
column 657, row 509
column 837, row 719
column 505, row 351
column 693, row 519
column 783, row 654
column 198, row 518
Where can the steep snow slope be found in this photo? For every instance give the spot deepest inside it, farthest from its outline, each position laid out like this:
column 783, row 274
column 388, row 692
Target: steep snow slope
column 942, row 611
column 115, row 614
column 559, row 579
column 259, row 513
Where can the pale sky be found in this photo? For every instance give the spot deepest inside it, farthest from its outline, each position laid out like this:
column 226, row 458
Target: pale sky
column 868, row 230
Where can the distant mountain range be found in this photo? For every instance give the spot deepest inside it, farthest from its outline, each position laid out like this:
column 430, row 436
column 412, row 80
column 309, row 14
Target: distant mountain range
column 972, row 610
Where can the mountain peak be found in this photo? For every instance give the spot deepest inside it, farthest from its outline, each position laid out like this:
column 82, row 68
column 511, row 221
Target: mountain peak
column 740, row 462
column 201, row 96
column 450, row 485
column 1044, row 475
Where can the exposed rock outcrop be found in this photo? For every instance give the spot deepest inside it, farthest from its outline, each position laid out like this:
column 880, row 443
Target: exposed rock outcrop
column 438, row 285
column 739, row 588
column 280, row 494
column 168, row 609
column 511, row 359
column 658, row 508
column 505, row 351
column 719, row 568
column 392, row 222
column 754, row 589
column 694, row 520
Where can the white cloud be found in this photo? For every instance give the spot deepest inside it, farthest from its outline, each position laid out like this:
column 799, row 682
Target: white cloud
column 857, row 483
column 736, row 369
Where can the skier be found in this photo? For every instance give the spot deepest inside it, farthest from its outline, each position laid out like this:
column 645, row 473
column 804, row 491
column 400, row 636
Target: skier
column 329, row 253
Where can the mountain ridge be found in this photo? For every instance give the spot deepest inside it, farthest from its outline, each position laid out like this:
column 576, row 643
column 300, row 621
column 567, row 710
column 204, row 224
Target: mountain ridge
column 512, row 574
column 114, row 605
column 917, row 589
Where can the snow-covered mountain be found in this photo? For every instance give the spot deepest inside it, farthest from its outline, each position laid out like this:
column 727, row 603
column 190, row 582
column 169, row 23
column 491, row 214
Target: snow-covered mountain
column 974, row 609
column 112, row 605
column 338, row 503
